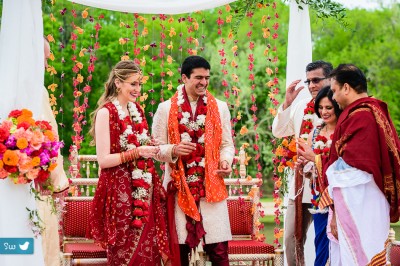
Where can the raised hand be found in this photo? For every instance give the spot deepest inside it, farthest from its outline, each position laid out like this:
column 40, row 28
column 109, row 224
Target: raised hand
column 291, row 93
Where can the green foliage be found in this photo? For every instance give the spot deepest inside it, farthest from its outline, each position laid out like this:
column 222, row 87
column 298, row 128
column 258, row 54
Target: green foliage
column 372, row 44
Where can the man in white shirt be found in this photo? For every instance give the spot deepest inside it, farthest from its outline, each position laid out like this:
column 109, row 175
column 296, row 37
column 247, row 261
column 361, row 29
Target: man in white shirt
column 288, row 122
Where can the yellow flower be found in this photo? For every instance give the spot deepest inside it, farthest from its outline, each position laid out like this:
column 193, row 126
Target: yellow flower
column 172, row 32
column 170, row 20
column 145, row 32
column 170, row 73
column 122, row 41
column 229, row 20
column 79, row 65
column 79, row 78
column 243, row 130
column 169, row 59
column 272, row 111
column 50, row 38
column 85, row 13
column 125, row 57
column 266, row 32
column 52, row 18
column 79, row 30
column 52, row 87
column 82, row 52
column 51, row 70
column 280, row 168
column 269, row 71
column 145, row 79
column 22, row 143
column 10, row 158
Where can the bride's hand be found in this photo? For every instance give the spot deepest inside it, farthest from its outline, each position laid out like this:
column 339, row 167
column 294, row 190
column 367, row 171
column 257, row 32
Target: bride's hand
column 148, row 151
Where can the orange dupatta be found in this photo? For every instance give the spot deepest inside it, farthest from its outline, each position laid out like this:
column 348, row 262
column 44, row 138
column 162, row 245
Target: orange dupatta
column 214, row 185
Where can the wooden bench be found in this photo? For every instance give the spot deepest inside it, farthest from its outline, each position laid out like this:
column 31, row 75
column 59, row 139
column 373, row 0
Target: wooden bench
column 243, row 207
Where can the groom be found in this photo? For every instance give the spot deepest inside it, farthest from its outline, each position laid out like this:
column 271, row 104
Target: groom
column 197, row 128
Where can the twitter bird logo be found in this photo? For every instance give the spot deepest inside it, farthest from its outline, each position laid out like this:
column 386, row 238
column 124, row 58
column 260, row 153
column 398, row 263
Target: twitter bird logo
column 24, row 246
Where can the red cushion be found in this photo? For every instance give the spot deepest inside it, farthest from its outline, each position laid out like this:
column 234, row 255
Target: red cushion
column 249, row 247
column 85, row 250
column 395, row 255
column 240, row 216
column 76, row 218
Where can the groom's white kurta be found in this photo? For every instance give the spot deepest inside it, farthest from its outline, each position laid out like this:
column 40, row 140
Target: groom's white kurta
column 215, row 215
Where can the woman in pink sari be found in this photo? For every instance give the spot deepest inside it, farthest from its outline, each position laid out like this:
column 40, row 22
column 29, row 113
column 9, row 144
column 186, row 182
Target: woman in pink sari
column 128, row 215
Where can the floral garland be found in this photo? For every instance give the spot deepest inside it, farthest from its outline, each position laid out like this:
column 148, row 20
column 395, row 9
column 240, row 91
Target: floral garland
column 321, row 146
column 193, row 131
column 134, row 136
column 308, row 120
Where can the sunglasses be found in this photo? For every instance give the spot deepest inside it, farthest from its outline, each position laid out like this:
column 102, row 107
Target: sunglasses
column 313, row 80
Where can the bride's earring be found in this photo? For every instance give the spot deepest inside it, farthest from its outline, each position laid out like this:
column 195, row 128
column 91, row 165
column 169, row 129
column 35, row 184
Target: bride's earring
column 118, row 90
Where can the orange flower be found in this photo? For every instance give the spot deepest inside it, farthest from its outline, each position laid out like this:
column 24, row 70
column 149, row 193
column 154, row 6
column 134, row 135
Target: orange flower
column 50, row 135
column 1, row 164
column 243, row 130
column 292, row 146
column 52, row 167
column 25, row 118
column 10, row 158
column 26, row 112
column 285, row 142
column 22, row 143
column 35, row 161
column 280, row 168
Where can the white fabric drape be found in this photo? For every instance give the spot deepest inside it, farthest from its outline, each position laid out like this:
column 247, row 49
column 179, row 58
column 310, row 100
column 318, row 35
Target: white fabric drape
column 299, row 50
column 154, row 6
column 299, row 54
column 22, row 55
column 21, row 86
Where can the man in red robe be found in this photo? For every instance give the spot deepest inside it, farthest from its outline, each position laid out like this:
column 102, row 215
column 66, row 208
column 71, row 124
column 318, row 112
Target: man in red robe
column 361, row 173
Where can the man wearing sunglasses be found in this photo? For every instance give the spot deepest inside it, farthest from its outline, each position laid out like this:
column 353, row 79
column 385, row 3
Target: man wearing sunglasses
column 291, row 121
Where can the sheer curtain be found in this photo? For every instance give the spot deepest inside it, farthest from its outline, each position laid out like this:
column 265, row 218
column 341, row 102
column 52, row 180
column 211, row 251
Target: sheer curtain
column 21, row 86
column 154, row 6
column 299, row 50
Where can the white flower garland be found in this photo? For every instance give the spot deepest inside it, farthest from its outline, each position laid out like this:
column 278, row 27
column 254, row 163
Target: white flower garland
column 192, row 125
column 143, row 138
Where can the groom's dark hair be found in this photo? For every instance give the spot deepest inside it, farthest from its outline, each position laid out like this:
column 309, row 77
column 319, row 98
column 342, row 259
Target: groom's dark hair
column 193, row 62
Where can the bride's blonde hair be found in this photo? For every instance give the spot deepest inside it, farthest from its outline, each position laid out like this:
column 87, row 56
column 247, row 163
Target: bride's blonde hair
column 121, row 71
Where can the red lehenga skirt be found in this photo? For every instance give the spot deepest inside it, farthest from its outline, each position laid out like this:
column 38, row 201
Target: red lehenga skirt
column 111, row 218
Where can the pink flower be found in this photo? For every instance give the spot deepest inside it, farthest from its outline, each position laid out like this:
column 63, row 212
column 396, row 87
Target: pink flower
column 37, row 139
column 32, row 174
